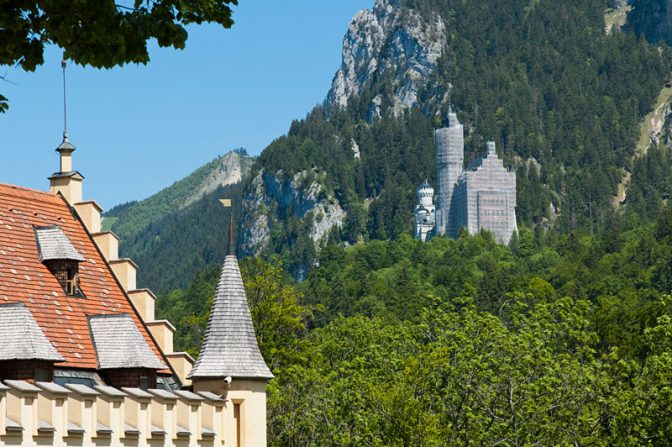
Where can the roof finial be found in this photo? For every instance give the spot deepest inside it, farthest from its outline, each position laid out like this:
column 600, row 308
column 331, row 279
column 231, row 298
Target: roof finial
column 227, row 204
column 65, row 108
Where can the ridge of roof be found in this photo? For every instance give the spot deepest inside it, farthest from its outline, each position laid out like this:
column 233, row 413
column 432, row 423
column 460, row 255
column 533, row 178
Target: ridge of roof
column 18, row 188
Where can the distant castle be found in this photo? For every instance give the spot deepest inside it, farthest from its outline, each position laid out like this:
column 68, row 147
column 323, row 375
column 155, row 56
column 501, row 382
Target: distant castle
column 482, row 197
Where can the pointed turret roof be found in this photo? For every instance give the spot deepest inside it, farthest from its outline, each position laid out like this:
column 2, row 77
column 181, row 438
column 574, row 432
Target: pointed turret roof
column 65, row 145
column 230, row 347
column 452, row 118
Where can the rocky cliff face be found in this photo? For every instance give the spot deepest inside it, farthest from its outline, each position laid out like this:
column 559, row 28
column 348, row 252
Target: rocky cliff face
column 302, row 196
column 388, row 41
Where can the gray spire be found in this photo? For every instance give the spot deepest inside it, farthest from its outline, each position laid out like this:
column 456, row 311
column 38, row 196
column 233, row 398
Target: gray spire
column 452, row 118
column 230, row 347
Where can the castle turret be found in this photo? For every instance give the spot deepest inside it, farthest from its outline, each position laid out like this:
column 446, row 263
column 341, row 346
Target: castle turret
column 230, row 361
column 425, row 215
column 449, row 142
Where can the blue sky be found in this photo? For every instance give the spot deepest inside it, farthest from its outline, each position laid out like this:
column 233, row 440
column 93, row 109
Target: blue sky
column 138, row 129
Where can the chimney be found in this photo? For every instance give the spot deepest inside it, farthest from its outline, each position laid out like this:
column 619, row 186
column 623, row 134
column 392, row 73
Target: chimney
column 66, row 181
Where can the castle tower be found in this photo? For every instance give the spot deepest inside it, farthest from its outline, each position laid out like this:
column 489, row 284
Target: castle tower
column 230, row 362
column 425, row 215
column 449, row 142
column 485, row 197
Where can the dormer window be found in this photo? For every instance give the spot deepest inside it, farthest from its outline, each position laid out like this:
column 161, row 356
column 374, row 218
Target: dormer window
column 67, row 274
column 71, row 280
column 60, row 256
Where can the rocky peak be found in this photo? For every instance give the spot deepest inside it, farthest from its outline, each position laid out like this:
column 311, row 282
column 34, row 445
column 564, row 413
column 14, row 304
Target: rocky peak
column 227, row 170
column 389, row 40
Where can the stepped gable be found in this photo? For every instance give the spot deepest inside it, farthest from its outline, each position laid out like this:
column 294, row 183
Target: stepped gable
column 230, row 347
column 25, row 279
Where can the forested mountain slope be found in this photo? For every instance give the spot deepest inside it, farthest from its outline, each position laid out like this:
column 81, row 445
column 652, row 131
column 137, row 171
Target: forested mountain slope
column 561, row 338
column 562, row 98
column 652, row 19
column 178, row 225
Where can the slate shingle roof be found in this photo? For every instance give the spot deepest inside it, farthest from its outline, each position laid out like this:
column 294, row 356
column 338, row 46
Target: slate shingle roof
column 21, row 338
column 53, row 244
column 119, row 343
column 230, row 347
column 24, row 279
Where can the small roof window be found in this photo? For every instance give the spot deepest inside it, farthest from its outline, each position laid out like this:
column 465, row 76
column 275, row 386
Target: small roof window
column 61, row 257
column 22, row 338
column 119, row 343
column 53, row 244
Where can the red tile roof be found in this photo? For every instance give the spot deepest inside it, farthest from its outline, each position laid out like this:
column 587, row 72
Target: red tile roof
column 23, row 278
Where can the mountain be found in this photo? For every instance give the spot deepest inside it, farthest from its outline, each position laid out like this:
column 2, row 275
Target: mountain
column 566, row 91
column 410, row 343
column 388, row 41
column 176, row 225
column 228, row 169
column 559, row 89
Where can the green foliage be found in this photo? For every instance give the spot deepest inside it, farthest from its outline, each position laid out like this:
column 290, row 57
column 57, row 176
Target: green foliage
column 460, row 377
column 279, row 319
column 100, row 33
column 651, row 184
column 560, row 339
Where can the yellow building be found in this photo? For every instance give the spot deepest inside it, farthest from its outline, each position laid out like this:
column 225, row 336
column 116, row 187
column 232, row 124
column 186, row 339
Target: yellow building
column 84, row 362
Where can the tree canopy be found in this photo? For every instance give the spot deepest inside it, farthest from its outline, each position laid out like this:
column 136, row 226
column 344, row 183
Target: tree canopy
column 99, row 33
column 559, row 339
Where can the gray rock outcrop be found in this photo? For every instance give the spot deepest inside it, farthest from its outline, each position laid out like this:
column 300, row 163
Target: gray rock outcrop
column 305, row 199
column 388, row 41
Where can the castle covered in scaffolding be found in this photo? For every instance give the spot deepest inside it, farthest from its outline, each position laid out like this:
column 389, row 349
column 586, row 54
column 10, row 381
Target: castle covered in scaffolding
column 482, row 197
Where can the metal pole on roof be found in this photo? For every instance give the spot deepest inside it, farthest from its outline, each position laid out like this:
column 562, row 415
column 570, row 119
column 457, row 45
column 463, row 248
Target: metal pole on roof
column 65, row 109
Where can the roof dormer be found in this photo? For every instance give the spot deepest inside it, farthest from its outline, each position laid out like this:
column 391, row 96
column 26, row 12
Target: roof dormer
column 61, row 258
